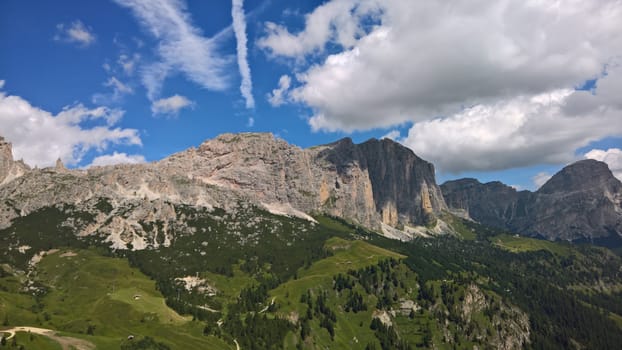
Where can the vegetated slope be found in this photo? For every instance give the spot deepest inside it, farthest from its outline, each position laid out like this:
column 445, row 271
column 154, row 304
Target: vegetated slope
column 583, row 201
column 268, row 281
column 99, row 299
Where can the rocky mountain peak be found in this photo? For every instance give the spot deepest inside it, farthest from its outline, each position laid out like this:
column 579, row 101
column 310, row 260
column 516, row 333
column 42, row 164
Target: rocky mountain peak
column 581, row 175
column 378, row 183
column 581, row 201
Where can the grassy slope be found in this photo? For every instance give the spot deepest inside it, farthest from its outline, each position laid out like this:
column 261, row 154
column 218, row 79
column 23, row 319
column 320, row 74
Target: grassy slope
column 351, row 327
column 519, row 244
column 88, row 289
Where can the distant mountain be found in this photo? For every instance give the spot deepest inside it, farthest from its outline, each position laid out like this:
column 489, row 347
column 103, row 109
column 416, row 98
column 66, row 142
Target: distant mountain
column 582, row 201
column 378, row 184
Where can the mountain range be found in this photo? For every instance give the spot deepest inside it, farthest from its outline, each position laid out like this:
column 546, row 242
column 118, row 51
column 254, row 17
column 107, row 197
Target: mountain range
column 378, row 184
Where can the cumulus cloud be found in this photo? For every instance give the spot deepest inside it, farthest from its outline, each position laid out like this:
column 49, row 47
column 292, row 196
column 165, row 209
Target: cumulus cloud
column 117, row 158
column 171, row 105
column 520, row 131
column 279, row 95
column 540, row 179
column 613, row 158
column 181, row 46
column 483, row 90
column 40, row 137
column 75, row 32
column 239, row 28
column 337, row 21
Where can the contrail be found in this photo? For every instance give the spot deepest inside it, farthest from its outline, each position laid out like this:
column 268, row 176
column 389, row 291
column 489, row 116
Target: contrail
column 239, row 28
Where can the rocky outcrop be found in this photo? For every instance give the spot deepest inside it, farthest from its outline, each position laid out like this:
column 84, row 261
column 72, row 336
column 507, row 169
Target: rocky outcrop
column 376, row 183
column 9, row 169
column 582, row 201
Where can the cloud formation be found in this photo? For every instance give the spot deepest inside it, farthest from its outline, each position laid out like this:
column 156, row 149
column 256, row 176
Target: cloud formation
column 239, row 28
column 171, row 105
column 117, row 158
column 76, row 32
column 338, row 21
column 279, row 95
column 181, row 46
column 613, row 158
column 483, row 90
column 521, row 131
column 40, row 137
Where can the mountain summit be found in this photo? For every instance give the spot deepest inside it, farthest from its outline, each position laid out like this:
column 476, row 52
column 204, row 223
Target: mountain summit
column 581, row 201
column 378, row 184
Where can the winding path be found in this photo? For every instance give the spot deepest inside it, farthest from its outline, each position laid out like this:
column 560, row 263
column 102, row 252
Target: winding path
column 67, row 343
column 267, row 307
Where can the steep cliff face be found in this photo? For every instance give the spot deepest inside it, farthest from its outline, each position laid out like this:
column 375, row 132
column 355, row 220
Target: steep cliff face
column 582, row 201
column 6, row 159
column 403, row 185
column 9, row 169
column 493, row 203
column 374, row 183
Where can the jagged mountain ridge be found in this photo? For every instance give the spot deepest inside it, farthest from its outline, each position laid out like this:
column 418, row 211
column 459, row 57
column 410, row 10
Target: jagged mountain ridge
column 581, row 201
column 376, row 184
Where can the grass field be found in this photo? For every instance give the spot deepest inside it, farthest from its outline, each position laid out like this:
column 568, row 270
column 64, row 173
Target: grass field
column 519, row 244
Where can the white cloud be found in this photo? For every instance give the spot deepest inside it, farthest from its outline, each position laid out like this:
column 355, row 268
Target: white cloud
column 2, row 84
column 181, row 46
column 239, row 27
column 117, row 158
column 337, row 21
column 392, row 135
column 520, row 131
column 128, row 62
column 118, row 86
column 39, row 137
column 76, row 32
column 540, row 179
column 470, row 76
column 279, row 95
column 171, row 105
column 613, row 158
column 119, row 89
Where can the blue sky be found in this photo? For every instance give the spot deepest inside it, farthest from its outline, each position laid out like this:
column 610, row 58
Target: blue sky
column 494, row 91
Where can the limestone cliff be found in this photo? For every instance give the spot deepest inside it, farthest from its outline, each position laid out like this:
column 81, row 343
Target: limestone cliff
column 373, row 183
column 9, row 169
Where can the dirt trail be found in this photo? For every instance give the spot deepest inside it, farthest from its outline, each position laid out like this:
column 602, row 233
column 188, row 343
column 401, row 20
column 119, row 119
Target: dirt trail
column 67, row 343
column 267, row 307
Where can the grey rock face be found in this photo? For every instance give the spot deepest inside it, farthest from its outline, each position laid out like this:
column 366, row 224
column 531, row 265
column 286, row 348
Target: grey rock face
column 9, row 169
column 583, row 200
column 6, row 159
column 374, row 183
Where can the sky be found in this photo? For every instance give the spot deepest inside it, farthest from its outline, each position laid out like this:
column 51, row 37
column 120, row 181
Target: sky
column 496, row 90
